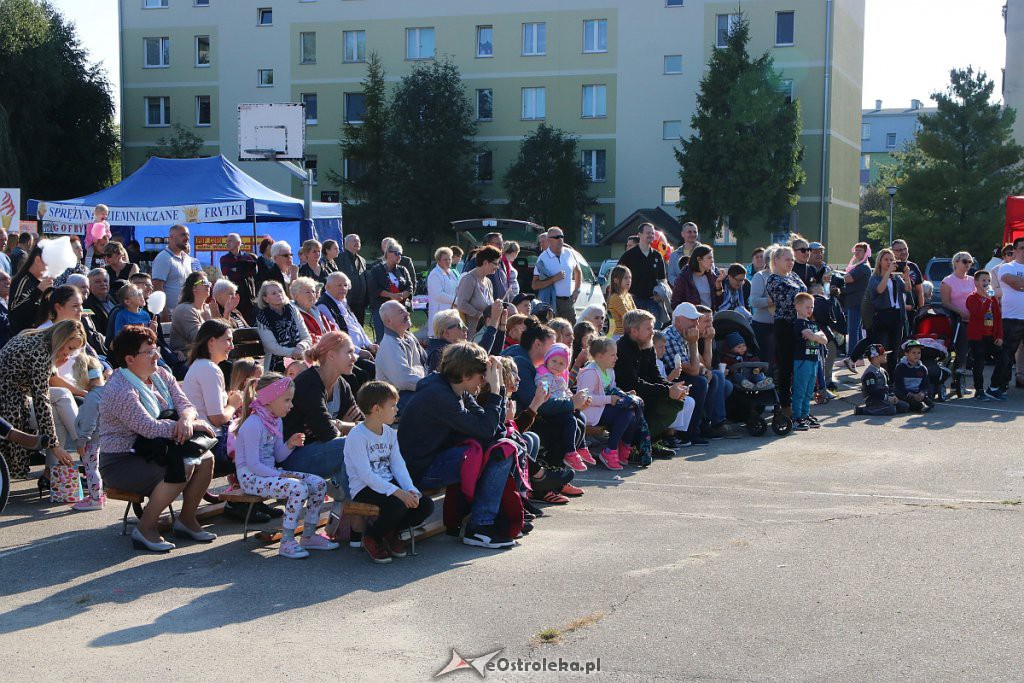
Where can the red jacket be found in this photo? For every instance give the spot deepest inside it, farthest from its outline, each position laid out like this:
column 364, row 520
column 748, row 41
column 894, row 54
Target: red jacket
column 986, row 317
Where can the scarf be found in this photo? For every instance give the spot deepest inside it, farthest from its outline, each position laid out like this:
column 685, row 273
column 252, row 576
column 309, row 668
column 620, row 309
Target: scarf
column 266, row 396
column 146, row 395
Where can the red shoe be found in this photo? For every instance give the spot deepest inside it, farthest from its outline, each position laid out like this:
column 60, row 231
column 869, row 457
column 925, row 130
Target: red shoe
column 376, row 549
column 574, row 462
column 624, row 452
column 610, row 459
column 397, row 546
column 570, row 490
column 585, row 456
column 551, row 497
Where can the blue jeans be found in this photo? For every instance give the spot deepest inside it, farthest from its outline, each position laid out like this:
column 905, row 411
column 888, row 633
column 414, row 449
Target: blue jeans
column 649, row 305
column 323, row 458
column 620, row 421
column 718, row 391
column 446, row 469
column 698, row 385
column 804, row 373
column 853, row 328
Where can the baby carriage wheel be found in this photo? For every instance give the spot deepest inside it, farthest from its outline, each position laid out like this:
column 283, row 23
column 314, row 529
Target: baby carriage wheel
column 782, row 425
column 757, row 426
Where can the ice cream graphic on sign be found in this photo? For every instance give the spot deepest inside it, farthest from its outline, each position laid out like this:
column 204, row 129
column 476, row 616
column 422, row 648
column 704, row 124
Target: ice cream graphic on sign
column 7, row 211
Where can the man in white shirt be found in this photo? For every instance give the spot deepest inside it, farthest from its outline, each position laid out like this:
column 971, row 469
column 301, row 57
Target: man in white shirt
column 1011, row 281
column 171, row 266
column 566, row 274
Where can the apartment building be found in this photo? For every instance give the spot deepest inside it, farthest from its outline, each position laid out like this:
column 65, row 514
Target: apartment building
column 622, row 75
column 1013, row 73
column 884, row 131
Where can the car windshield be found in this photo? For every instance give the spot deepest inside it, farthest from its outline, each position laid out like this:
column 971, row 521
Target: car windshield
column 939, row 270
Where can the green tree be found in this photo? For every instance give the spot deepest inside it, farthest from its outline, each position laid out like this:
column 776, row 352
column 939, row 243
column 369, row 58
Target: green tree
column 57, row 134
column 546, row 183
column 743, row 159
column 431, row 153
column 954, row 180
column 366, row 194
column 180, row 144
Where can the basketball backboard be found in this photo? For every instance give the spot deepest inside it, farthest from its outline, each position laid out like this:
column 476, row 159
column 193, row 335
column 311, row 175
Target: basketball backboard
column 271, row 131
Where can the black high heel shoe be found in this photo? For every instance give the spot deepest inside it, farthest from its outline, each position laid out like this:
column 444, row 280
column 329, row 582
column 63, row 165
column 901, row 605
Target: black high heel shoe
column 43, row 484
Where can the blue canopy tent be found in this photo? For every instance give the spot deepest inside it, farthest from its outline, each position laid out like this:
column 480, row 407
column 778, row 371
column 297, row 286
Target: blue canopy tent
column 204, row 194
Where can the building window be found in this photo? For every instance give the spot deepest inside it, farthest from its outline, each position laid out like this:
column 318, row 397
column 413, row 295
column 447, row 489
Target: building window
column 158, row 52
column 484, row 41
column 865, row 162
column 592, row 228
column 154, row 4
column 535, row 40
column 595, row 35
column 865, row 131
column 595, row 104
column 671, row 130
column 309, row 100
column 673, row 3
column 533, row 103
column 200, row 3
column 307, row 48
column 310, row 165
column 265, row 16
column 419, row 43
column 784, row 28
column 673, row 64
column 669, row 195
column 484, row 104
column 202, row 51
column 726, row 239
column 158, row 111
column 485, row 167
column 724, row 26
column 353, row 169
column 593, row 164
column 266, row 78
column 890, row 140
column 203, row 117
column 355, row 107
column 786, row 88
column 354, row 46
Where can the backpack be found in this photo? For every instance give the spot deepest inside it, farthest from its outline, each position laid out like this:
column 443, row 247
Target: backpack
column 867, row 310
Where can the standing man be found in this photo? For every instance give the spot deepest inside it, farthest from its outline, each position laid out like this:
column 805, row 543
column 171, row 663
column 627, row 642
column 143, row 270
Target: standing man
column 1011, row 280
column 499, row 280
column 240, row 268
column 20, row 252
column 171, row 266
column 5, row 260
column 689, row 233
column 647, row 267
column 817, row 270
column 557, row 268
column 902, row 253
column 801, row 254
column 354, row 266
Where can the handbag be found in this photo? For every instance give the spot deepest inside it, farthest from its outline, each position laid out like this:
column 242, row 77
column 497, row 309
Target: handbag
column 169, row 453
column 65, row 484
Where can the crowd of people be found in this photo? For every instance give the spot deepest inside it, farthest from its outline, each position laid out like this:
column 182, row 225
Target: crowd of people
column 503, row 397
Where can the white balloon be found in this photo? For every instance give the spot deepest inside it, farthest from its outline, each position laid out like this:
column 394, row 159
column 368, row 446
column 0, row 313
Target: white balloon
column 156, row 303
column 58, row 255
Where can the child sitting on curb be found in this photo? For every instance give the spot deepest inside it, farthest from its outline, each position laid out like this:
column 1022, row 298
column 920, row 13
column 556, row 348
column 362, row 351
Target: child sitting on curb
column 910, row 380
column 874, row 384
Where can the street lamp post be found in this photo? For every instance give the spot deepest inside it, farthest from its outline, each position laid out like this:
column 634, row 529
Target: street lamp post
column 892, row 201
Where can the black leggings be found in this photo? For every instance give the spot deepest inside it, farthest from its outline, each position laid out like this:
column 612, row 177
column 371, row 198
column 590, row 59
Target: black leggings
column 393, row 513
column 784, row 343
column 887, row 330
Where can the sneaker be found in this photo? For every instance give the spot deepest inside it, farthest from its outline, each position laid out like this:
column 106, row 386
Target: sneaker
column 527, row 528
column 574, row 462
column 585, row 456
column 982, row 396
column 376, row 549
column 486, row 537
column 747, row 384
column 318, row 542
column 355, row 539
column 812, row 422
column 996, row 394
column 571, row 490
column 625, row 453
column 292, row 550
column 396, row 545
column 532, row 509
column 683, row 442
column 832, row 386
column 699, row 441
column 722, row 431
column 926, row 407
column 610, row 459
column 660, row 450
column 859, row 410
column 90, row 503
column 800, row 425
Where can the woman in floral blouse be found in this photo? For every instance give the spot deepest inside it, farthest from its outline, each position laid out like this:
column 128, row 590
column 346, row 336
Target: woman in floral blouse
column 782, row 287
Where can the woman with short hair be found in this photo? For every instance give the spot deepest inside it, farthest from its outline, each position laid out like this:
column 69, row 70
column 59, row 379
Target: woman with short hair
column 118, row 267
column 225, row 293
column 475, row 293
column 441, row 286
column 304, row 293
column 280, row 327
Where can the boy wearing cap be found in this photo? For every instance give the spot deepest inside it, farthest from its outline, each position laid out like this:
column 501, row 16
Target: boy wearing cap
column 910, row 379
column 736, row 352
column 874, row 384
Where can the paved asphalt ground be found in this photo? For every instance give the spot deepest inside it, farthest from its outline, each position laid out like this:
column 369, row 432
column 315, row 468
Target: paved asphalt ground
column 870, row 549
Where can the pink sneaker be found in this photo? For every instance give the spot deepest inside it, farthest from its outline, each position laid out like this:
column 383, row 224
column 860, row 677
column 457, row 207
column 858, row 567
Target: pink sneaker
column 624, row 452
column 573, row 461
column 292, row 550
column 90, row 503
column 318, row 542
column 610, row 459
column 586, row 457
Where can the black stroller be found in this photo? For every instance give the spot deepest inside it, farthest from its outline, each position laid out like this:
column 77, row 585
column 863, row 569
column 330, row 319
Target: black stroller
column 750, row 404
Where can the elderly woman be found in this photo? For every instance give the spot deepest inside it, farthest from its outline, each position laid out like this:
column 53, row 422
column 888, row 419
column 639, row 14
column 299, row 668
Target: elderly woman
column 782, row 286
column 955, row 288
column 309, row 261
column 448, row 328
column 136, row 397
column 509, row 252
column 441, row 285
column 280, row 327
column 763, row 310
column 118, row 267
column 594, row 315
column 190, row 313
column 225, row 294
column 475, row 293
column 699, row 282
column 304, row 293
column 388, row 281
column 26, row 364
column 282, row 270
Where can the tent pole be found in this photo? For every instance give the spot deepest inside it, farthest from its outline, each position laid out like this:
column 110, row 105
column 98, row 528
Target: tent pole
column 255, row 240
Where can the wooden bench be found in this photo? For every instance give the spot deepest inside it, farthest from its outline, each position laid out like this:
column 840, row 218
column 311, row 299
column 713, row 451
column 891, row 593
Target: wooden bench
column 134, row 502
column 238, row 496
column 366, row 510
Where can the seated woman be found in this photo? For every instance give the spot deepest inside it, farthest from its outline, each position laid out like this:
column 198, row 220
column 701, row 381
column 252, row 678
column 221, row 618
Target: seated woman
column 225, row 293
column 451, row 329
column 280, row 327
column 189, row 315
column 137, row 394
column 65, row 303
column 204, row 384
column 304, row 295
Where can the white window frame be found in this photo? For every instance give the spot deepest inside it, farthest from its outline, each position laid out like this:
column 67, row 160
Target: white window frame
column 665, row 69
column 155, row 4
column 200, row 124
column 665, row 128
column 865, row 131
column 592, row 31
column 589, row 225
column 669, row 191
column 531, row 95
column 344, row 103
column 360, row 54
column 480, row 29
column 731, row 23
column 263, row 83
column 209, row 52
column 786, row 88
column 165, row 111
column 727, row 239
column 480, row 91
column 595, row 95
column 259, row 16
column 302, row 98
column 792, row 42
column 893, row 137
column 537, row 31
column 165, row 52
column 589, row 161
column 302, row 47
column 419, row 42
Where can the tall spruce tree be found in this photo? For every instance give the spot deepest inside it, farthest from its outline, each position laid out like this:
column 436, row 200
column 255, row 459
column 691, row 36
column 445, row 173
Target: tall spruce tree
column 743, row 159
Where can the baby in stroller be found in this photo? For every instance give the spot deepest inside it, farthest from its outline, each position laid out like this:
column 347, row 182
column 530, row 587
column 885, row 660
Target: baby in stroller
column 734, row 350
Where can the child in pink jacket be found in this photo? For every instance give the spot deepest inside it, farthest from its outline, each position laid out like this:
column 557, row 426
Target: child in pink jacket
column 617, row 411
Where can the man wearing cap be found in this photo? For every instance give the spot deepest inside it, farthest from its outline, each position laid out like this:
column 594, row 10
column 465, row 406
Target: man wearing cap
column 523, row 303
column 682, row 349
column 801, row 253
column 817, row 270
column 557, row 268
